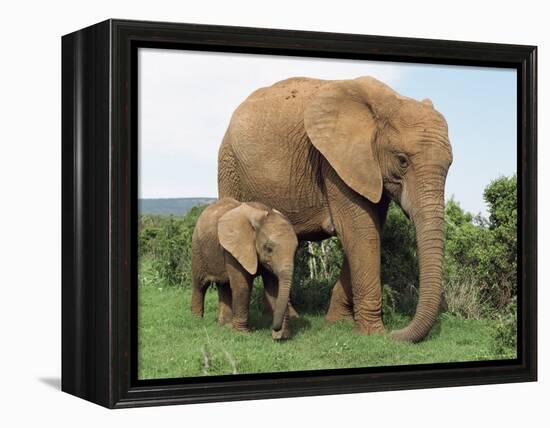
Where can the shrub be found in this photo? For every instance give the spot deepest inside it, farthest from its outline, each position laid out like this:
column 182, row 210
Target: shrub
column 150, row 227
column 311, row 295
column 172, row 257
column 463, row 298
column 148, row 239
column 319, row 260
column 257, row 295
column 388, row 305
column 505, row 337
column 464, row 242
column 480, row 254
column 500, row 263
column 316, row 269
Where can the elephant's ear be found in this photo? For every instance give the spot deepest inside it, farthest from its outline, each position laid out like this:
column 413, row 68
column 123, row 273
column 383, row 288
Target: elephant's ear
column 342, row 124
column 237, row 234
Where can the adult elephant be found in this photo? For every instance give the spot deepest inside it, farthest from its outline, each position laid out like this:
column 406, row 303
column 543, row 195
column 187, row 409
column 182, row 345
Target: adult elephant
column 331, row 155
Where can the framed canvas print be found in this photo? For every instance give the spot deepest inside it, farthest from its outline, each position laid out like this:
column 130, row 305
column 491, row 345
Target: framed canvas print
column 253, row 213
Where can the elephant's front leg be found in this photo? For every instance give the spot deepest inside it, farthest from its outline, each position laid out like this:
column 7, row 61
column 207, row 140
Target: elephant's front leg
column 240, row 282
column 225, row 304
column 357, row 223
column 366, row 288
column 341, row 299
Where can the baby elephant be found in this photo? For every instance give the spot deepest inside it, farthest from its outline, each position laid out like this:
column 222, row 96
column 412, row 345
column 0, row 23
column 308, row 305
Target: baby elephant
column 234, row 242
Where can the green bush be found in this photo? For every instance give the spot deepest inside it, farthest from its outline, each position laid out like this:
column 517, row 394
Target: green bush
column 481, row 254
column 311, row 295
column 316, row 269
column 465, row 242
column 148, row 239
column 505, row 336
column 319, row 260
column 170, row 246
column 500, row 264
column 150, row 227
column 463, row 298
column 388, row 305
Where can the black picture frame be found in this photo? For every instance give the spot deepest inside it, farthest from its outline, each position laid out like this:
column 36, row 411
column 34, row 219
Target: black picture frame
column 99, row 212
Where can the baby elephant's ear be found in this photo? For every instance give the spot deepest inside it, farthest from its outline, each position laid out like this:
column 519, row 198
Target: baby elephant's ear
column 237, row 234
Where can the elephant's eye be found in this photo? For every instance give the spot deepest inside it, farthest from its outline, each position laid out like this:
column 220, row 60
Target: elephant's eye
column 402, row 161
column 268, row 248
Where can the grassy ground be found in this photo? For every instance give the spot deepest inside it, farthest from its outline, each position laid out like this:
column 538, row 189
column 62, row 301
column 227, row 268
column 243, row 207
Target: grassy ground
column 172, row 343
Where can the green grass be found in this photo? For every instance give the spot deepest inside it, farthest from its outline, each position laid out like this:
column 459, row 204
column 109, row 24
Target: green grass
column 173, row 343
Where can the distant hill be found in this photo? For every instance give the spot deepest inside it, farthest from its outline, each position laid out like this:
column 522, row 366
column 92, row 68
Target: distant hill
column 170, row 206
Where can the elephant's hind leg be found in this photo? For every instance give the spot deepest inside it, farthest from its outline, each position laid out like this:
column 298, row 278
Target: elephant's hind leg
column 225, row 304
column 341, row 300
column 197, row 297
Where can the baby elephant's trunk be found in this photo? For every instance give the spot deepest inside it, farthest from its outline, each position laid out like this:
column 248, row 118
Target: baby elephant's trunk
column 285, row 282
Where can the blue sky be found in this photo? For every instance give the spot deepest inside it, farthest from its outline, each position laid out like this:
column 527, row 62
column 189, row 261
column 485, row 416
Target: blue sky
column 186, row 100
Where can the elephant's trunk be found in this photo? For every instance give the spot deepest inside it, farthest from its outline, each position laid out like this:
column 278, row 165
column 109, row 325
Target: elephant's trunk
column 429, row 226
column 281, row 305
